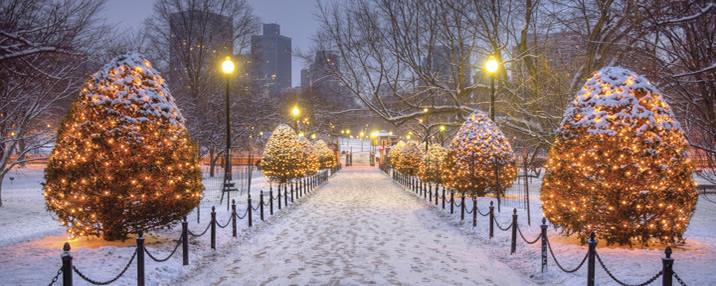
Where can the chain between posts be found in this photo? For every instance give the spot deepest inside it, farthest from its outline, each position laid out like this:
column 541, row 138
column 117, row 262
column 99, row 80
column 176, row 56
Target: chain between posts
column 202, row 233
column 74, row 268
column 679, row 279
column 503, row 229
column 225, row 225
column 245, row 214
column 170, row 255
column 549, row 245
column 57, row 276
column 523, row 237
column 652, row 279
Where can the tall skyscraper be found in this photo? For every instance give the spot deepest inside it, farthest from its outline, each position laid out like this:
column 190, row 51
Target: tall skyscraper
column 272, row 53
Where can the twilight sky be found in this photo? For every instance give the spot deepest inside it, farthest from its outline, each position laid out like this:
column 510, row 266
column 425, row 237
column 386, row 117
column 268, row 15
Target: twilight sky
column 295, row 17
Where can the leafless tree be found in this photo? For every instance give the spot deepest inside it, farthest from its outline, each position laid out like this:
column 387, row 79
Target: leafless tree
column 44, row 51
column 682, row 43
column 188, row 41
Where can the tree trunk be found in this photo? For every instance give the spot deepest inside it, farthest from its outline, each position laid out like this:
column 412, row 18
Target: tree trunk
column 2, row 177
column 212, row 162
column 21, row 151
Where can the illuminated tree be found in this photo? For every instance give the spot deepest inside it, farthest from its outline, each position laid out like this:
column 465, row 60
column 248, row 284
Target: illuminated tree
column 326, row 156
column 432, row 164
column 619, row 165
column 410, row 157
column 478, row 151
column 311, row 163
column 394, row 154
column 123, row 159
column 282, row 158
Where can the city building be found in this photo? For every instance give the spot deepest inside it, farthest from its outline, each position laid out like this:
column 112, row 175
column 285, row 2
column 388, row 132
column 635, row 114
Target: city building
column 272, row 54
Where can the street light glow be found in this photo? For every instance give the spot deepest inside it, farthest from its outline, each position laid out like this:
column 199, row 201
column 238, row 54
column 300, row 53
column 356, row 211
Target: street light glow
column 296, row 111
column 442, row 127
column 227, row 66
column 491, row 64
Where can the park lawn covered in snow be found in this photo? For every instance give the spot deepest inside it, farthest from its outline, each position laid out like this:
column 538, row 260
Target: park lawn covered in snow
column 31, row 242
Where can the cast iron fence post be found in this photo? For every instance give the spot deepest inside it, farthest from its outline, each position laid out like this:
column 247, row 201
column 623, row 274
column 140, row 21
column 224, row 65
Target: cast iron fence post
column 270, row 201
column 250, row 207
column 452, row 202
column 279, row 197
column 492, row 220
column 185, row 241
column 213, row 227
column 261, row 205
column 543, row 235
column 285, row 196
column 513, row 246
column 292, row 195
column 66, row 265
column 668, row 268
column 462, row 207
column 474, row 211
column 233, row 217
column 443, row 197
column 592, row 241
column 140, row 259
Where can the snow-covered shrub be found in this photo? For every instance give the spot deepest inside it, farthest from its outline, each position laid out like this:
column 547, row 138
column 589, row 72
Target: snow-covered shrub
column 432, row 164
column 123, row 160
column 478, row 151
column 326, row 156
column 394, row 154
column 619, row 165
column 282, row 158
column 311, row 163
column 410, row 157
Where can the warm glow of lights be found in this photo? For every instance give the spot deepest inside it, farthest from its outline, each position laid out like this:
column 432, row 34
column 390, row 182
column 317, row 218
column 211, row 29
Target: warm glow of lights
column 491, row 65
column 227, row 66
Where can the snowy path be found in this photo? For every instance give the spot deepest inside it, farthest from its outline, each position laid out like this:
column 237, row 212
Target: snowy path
column 360, row 228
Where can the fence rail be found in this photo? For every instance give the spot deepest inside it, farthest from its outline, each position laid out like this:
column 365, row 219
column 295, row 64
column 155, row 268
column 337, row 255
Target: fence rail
column 302, row 188
column 424, row 190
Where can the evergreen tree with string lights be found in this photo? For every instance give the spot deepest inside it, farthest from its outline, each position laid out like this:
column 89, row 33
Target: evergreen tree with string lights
column 432, row 164
column 124, row 160
column 478, row 154
column 394, row 154
column 326, row 156
column 311, row 163
column 619, row 165
column 410, row 157
column 283, row 156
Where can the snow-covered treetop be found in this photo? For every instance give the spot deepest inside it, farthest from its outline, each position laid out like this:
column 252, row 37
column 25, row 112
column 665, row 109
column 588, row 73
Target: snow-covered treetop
column 129, row 82
column 615, row 98
column 480, row 137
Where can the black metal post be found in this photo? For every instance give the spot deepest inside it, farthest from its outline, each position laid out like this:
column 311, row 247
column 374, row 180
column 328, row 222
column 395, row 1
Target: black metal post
column 140, row 259
column 292, row 191
column 474, row 211
column 66, row 257
column 492, row 220
column 436, row 194
column 462, row 207
column 543, row 237
column 270, row 201
column 249, row 210
column 233, row 218
column 592, row 241
column 198, row 212
column 279, row 197
column 213, row 228
column 513, row 246
column 667, row 268
column 285, row 196
column 452, row 202
column 443, row 197
column 185, row 241
column 261, row 205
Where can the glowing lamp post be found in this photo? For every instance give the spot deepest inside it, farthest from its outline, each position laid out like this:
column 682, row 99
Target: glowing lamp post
column 491, row 66
column 228, row 68
column 295, row 112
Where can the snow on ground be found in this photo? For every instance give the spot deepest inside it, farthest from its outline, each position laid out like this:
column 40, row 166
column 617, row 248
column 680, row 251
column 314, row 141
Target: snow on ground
column 360, row 228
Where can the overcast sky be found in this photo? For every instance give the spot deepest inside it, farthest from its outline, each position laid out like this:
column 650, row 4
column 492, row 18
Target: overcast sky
column 294, row 16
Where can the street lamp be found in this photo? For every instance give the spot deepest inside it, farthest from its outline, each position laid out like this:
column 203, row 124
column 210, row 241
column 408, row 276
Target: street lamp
column 491, row 65
column 295, row 116
column 228, row 68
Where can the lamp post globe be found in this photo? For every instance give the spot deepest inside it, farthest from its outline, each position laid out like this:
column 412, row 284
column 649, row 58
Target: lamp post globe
column 491, row 66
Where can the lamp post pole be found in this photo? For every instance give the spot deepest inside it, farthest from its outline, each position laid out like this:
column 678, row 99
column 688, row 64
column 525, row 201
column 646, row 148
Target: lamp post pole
column 228, row 186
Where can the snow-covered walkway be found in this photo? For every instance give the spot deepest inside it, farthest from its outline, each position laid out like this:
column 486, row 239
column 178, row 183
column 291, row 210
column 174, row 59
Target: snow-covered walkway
column 359, row 228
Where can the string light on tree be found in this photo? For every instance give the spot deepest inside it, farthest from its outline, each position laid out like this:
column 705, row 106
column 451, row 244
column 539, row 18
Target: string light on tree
column 477, row 152
column 410, row 157
column 124, row 160
column 619, row 165
column 282, row 157
column 394, row 154
column 432, row 164
column 326, row 156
